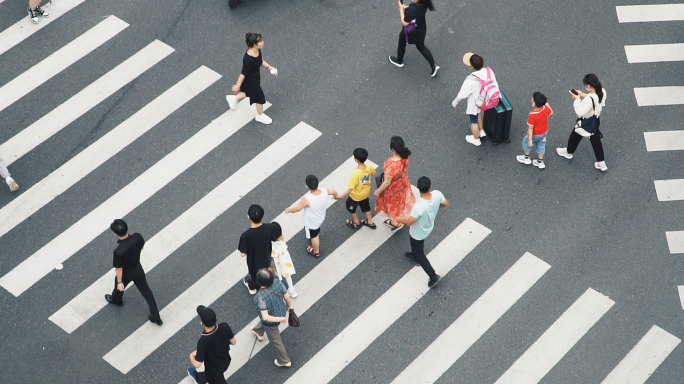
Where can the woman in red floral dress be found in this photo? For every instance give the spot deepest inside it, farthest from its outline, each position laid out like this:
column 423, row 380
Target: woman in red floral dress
column 395, row 197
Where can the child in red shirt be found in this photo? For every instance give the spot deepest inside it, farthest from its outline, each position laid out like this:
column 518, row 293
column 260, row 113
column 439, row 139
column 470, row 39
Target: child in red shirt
column 537, row 129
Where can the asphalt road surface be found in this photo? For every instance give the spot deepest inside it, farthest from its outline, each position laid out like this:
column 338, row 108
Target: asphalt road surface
column 561, row 275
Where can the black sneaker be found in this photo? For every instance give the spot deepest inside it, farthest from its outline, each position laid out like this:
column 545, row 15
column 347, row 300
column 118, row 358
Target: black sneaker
column 32, row 15
column 434, row 282
column 40, row 11
column 434, row 70
column 409, row 256
column 396, row 61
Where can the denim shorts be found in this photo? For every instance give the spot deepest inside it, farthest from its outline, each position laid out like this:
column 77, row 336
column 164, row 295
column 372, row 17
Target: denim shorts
column 473, row 119
column 538, row 141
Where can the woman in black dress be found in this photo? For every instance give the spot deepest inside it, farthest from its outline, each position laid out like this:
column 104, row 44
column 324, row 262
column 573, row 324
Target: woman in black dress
column 414, row 32
column 248, row 83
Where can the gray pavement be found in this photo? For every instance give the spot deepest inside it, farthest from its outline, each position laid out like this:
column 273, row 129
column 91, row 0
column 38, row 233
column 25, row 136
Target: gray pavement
column 604, row 231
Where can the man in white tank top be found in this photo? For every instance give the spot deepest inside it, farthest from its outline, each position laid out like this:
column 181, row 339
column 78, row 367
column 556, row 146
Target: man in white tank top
column 314, row 204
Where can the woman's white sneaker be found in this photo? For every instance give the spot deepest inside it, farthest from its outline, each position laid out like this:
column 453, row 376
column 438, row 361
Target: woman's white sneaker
column 263, row 119
column 13, row 186
column 601, row 166
column 564, row 152
column 472, row 140
column 482, row 133
column 232, row 101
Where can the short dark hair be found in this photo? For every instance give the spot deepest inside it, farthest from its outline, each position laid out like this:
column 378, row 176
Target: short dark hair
column 477, row 62
column 361, row 155
column 277, row 230
column 255, row 213
column 119, row 227
column 264, row 277
column 539, row 99
column 424, row 184
column 312, row 182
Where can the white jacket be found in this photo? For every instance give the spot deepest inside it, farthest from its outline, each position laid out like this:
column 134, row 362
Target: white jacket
column 471, row 90
column 584, row 108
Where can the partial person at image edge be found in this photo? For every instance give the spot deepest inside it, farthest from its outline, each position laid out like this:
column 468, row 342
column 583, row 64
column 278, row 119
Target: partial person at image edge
column 213, row 349
column 414, row 31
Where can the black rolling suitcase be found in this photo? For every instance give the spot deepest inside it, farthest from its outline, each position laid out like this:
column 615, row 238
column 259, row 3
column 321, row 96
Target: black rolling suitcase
column 496, row 121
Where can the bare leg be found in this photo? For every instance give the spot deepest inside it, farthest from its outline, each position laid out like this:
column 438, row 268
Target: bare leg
column 34, row 3
column 369, row 218
column 315, row 243
column 260, row 109
column 475, row 129
column 240, row 96
column 355, row 218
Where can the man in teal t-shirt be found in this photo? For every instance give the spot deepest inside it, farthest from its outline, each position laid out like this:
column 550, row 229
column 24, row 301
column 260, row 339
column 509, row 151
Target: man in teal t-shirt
column 421, row 222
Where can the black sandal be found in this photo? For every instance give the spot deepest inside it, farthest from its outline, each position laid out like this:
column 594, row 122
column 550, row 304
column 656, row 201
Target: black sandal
column 371, row 226
column 352, row 224
column 393, row 227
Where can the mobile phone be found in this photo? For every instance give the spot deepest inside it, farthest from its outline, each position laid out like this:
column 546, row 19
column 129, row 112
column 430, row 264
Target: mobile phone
column 573, row 91
column 401, row 1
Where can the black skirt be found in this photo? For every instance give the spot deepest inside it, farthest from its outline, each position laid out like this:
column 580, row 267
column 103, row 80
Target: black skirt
column 251, row 86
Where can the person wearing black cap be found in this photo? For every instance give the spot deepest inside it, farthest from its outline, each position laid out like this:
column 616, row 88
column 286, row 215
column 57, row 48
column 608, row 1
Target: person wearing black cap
column 128, row 268
column 213, row 349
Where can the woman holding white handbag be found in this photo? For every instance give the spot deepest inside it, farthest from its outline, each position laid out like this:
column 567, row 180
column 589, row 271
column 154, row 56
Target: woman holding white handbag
column 588, row 107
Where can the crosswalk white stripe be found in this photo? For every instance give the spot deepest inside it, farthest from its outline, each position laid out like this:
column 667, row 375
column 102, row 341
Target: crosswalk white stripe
column 430, row 365
column 565, row 332
column 669, row 190
column 103, row 149
column 377, row 318
column 675, row 241
column 183, row 228
column 124, row 201
column 60, row 60
column 29, row 138
column 652, row 96
column 648, row 13
column 680, row 290
column 206, row 290
column 664, row 141
column 644, row 358
column 23, row 28
column 653, row 53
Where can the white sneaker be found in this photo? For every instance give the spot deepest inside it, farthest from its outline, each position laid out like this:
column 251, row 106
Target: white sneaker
column 292, row 293
column 472, row 140
column 539, row 164
column 251, row 291
column 13, row 186
column 564, row 152
column 482, row 134
column 601, row 165
column 524, row 159
column 263, row 119
column 288, row 365
column 232, row 101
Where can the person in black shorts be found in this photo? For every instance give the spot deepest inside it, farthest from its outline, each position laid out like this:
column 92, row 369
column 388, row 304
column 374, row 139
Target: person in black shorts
column 249, row 82
column 358, row 189
column 213, row 349
column 128, row 268
column 255, row 244
column 413, row 19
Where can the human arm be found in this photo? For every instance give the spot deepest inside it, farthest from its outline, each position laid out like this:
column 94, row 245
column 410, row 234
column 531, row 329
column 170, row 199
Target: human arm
column 232, row 341
column 385, row 184
column 194, row 362
column 550, row 109
column 304, row 202
column 238, row 84
column 402, row 7
column 463, row 94
column 332, row 192
column 407, row 221
column 272, row 319
column 119, row 279
column 266, row 65
column 343, row 194
column 530, row 132
column 583, row 105
column 444, row 203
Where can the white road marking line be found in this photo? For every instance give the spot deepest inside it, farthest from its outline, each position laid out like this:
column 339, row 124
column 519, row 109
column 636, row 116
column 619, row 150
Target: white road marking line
column 105, row 148
column 145, row 340
column 377, row 318
column 565, row 332
column 653, row 53
column 680, row 290
column 648, row 13
column 652, row 96
column 24, row 28
column 124, row 201
column 675, row 241
column 430, row 365
column 60, row 60
column 669, row 190
column 184, row 227
column 82, row 102
column 644, row 358
column 664, row 141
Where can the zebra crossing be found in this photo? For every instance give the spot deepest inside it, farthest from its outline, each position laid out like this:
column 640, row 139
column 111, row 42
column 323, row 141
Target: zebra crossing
column 489, row 308
column 659, row 141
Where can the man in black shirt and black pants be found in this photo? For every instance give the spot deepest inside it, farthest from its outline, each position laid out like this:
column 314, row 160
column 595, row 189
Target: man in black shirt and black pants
column 255, row 244
column 213, row 349
column 128, row 268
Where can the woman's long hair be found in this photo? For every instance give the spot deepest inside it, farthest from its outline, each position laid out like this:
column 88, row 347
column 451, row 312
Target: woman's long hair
column 593, row 80
column 397, row 143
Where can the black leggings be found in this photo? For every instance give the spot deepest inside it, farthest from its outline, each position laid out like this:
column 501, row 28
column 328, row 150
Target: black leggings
column 595, row 140
column 401, row 50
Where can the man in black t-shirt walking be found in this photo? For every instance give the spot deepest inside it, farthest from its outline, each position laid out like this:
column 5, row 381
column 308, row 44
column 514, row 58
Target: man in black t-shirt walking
column 213, row 349
column 127, row 266
column 255, row 244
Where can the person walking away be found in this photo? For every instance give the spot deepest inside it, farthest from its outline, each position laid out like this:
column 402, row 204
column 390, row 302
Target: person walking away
column 281, row 262
column 395, row 197
column 314, row 204
column 537, row 130
column 422, row 222
column 5, row 173
column 358, row 189
column 249, row 82
column 213, row 349
column 414, row 30
column 255, row 245
column 35, row 10
column 127, row 266
column 587, row 105
column 471, row 90
column 273, row 303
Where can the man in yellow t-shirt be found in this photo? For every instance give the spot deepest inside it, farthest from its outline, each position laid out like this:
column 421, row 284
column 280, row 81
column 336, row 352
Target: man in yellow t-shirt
column 359, row 189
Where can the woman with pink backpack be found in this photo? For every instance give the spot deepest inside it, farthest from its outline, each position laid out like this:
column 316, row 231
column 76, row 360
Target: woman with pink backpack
column 414, row 32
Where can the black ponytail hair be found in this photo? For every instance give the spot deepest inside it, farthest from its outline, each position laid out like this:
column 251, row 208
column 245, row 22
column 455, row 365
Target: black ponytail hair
column 593, row 80
column 397, row 143
column 252, row 39
column 428, row 4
